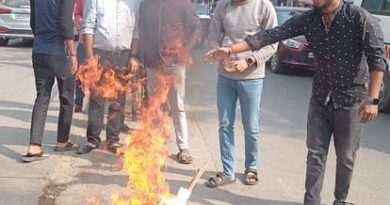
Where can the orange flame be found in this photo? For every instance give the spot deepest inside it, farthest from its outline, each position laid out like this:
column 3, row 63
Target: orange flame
column 102, row 80
column 146, row 152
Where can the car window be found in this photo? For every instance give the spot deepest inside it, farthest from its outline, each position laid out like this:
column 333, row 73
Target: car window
column 283, row 15
column 17, row 3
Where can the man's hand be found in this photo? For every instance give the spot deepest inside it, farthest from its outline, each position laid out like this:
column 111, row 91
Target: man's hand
column 73, row 64
column 239, row 65
column 134, row 65
column 217, row 54
column 236, row 65
column 367, row 112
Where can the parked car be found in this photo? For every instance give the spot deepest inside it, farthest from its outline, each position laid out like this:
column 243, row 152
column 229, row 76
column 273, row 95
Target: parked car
column 292, row 53
column 202, row 10
column 14, row 20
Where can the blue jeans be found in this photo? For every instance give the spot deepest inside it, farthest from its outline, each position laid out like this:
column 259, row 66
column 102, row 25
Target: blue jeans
column 248, row 92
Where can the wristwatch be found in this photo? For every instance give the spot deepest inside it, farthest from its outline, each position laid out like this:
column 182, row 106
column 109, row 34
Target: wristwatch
column 250, row 61
column 373, row 100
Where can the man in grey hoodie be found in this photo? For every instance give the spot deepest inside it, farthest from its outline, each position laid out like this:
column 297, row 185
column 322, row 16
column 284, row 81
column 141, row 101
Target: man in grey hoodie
column 233, row 21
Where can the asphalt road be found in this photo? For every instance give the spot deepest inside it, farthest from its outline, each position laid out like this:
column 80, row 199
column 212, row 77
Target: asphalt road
column 282, row 148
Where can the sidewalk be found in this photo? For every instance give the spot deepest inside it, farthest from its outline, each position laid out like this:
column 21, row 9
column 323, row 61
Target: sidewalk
column 70, row 179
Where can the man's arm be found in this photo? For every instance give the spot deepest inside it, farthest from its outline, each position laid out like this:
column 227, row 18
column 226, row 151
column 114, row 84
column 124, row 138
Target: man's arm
column 269, row 21
column 134, row 61
column 67, row 32
column 32, row 15
column 89, row 24
column 291, row 28
column 191, row 20
column 134, row 41
column 373, row 44
column 66, row 19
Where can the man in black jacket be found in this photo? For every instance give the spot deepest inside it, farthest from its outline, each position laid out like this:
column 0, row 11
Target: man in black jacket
column 348, row 44
column 52, row 25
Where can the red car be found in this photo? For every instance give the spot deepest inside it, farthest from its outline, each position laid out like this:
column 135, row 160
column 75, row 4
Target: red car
column 292, row 53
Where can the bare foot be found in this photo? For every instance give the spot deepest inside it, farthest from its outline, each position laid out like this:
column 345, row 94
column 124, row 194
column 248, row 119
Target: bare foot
column 34, row 149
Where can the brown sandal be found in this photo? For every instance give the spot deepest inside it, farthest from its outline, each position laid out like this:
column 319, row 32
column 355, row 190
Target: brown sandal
column 184, row 157
column 250, row 177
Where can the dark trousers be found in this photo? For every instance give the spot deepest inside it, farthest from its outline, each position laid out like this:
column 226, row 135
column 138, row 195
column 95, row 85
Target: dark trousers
column 323, row 122
column 115, row 116
column 79, row 95
column 46, row 69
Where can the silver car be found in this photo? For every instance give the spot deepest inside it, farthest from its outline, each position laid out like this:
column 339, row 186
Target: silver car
column 14, row 20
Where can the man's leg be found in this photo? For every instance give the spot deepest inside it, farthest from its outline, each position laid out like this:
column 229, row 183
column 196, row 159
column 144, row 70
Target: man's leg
column 176, row 102
column 44, row 80
column 347, row 135
column 95, row 119
column 319, row 131
column 226, row 103
column 249, row 94
column 65, row 82
column 115, row 118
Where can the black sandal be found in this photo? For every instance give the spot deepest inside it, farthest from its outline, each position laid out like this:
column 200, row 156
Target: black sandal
column 219, row 180
column 69, row 146
column 34, row 157
column 86, row 148
column 250, row 177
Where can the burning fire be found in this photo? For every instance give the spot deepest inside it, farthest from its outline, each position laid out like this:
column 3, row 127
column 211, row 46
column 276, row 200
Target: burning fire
column 145, row 152
column 102, row 80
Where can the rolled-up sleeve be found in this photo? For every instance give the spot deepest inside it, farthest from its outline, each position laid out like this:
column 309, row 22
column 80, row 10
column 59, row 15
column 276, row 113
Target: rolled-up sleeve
column 291, row 28
column 373, row 43
column 89, row 17
column 66, row 18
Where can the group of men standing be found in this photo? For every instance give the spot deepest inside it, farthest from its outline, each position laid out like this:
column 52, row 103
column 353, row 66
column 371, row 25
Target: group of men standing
column 124, row 33
column 345, row 39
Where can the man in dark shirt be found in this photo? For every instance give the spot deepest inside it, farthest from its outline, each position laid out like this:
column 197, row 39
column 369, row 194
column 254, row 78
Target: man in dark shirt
column 168, row 31
column 52, row 25
column 348, row 44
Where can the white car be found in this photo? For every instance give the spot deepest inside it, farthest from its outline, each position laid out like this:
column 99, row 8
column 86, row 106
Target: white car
column 14, row 20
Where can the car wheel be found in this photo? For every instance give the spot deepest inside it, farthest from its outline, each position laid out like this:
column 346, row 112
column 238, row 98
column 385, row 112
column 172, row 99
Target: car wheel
column 384, row 97
column 275, row 64
column 3, row 41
